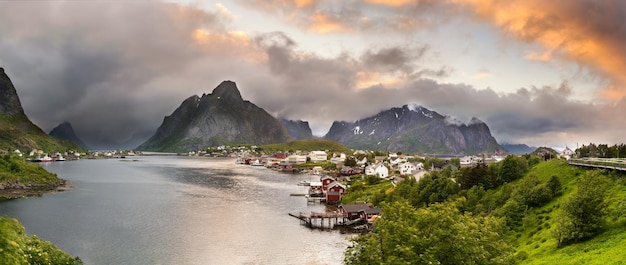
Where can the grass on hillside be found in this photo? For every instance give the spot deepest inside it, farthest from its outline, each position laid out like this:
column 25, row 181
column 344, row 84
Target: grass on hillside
column 368, row 189
column 13, row 168
column 535, row 243
column 17, row 132
column 306, row 145
column 18, row 248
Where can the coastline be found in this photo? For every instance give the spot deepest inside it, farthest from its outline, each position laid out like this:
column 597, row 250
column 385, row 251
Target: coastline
column 21, row 191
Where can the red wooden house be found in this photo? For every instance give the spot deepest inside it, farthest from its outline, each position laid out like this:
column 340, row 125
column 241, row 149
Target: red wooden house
column 326, row 181
column 359, row 210
column 334, row 192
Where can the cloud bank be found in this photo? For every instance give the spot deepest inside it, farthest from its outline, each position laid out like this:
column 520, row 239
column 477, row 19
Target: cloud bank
column 115, row 70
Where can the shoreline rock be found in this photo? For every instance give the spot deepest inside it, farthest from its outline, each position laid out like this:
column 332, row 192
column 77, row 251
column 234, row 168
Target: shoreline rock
column 19, row 190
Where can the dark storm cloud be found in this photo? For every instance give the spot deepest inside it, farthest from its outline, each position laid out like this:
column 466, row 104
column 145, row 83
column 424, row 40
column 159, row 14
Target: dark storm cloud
column 88, row 62
column 115, row 70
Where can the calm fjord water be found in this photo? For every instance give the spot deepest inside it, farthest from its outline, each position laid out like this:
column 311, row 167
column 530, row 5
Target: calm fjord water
column 177, row 210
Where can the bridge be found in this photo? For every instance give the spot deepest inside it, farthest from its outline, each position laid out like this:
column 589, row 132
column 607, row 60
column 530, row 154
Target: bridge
column 607, row 163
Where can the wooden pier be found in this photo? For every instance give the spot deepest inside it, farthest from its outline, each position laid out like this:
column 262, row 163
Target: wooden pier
column 320, row 220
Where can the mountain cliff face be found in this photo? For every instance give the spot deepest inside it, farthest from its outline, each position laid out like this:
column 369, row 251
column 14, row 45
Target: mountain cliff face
column 298, row 130
column 415, row 129
column 65, row 131
column 16, row 129
column 221, row 117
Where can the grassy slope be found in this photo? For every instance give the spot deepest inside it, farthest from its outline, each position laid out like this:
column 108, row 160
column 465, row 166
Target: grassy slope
column 17, row 132
column 14, row 168
column 307, row 145
column 535, row 240
column 18, row 248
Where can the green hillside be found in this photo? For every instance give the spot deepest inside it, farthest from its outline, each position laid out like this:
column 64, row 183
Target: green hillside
column 539, row 212
column 17, row 132
column 307, row 145
column 18, row 248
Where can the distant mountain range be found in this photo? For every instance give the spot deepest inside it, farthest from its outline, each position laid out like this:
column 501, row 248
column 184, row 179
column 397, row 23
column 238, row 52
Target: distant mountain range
column 519, row 149
column 65, row 131
column 298, row 130
column 222, row 117
column 415, row 129
column 16, row 129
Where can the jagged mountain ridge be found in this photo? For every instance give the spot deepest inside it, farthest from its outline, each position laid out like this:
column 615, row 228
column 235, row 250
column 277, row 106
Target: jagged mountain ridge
column 222, row 117
column 414, row 129
column 298, row 130
column 17, row 131
column 65, row 131
column 518, row 149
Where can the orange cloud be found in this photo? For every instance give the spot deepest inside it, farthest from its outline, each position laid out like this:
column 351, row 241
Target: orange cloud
column 579, row 31
column 392, row 3
column 322, row 23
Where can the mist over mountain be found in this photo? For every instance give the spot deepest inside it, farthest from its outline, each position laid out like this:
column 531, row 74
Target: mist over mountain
column 222, row 117
column 298, row 130
column 65, row 131
column 518, row 149
column 16, row 129
column 415, row 129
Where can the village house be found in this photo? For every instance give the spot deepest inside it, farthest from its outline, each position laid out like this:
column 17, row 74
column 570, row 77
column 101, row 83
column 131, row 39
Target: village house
column 334, row 192
column 363, row 210
column 317, row 170
column 338, row 158
column 349, row 171
column 315, row 189
column 296, row 159
column 326, row 181
column 380, row 159
column 566, row 153
column 409, row 168
column 379, row 170
column 318, row 156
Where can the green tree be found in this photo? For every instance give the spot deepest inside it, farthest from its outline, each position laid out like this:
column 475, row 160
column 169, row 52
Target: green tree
column 512, row 168
column 436, row 186
column 439, row 234
column 350, row 162
column 554, row 185
column 583, row 213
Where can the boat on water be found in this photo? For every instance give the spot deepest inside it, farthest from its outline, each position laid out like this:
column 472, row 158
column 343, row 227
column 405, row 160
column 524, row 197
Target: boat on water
column 60, row 158
column 45, row 158
column 304, row 183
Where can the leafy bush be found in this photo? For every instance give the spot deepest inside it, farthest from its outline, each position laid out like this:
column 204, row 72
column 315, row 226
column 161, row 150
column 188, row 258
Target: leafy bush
column 18, row 248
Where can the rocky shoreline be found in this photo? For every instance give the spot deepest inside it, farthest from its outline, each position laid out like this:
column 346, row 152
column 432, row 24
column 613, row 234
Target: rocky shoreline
column 19, row 190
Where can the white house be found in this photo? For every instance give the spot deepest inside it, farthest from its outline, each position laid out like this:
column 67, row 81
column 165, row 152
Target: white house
column 318, row 156
column 338, row 158
column 410, row 168
column 379, row 170
column 296, row 159
column 566, row 153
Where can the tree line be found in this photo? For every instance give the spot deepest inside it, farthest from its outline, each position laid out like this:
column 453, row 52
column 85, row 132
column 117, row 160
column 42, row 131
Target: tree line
column 464, row 216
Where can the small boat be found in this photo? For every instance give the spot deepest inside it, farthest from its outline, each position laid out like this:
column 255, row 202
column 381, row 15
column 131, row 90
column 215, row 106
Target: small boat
column 304, row 183
column 60, row 158
column 45, row 158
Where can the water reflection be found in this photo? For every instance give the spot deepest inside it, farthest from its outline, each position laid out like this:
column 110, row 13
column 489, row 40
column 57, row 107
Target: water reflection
column 178, row 210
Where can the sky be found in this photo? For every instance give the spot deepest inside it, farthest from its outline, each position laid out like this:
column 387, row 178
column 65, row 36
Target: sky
column 542, row 73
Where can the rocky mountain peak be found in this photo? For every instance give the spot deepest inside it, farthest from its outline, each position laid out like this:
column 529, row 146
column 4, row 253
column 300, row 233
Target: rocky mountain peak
column 9, row 101
column 475, row 121
column 65, row 131
column 227, row 90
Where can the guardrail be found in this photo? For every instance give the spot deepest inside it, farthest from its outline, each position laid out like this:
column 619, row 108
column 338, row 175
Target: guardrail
column 608, row 163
